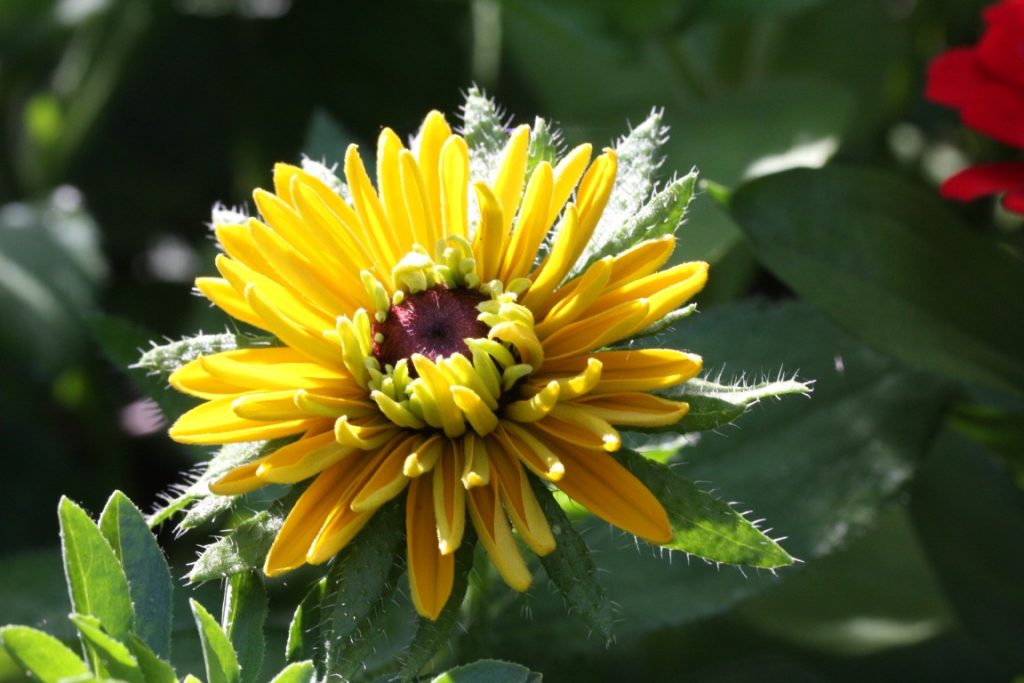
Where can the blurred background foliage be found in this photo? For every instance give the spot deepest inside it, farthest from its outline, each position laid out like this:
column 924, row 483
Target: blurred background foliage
column 898, row 483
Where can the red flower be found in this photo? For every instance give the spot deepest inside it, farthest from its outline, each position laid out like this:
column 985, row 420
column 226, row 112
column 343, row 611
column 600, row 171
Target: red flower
column 985, row 83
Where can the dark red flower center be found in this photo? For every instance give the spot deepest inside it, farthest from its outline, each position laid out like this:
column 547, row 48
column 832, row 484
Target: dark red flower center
column 433, row 323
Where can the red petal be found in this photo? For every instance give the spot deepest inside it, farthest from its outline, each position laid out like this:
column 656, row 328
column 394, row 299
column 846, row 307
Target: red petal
column 1001, row 52
column 952, row 76
column 1014, row 201
column 979, row 181
column 1008, row 12
column 997, row 110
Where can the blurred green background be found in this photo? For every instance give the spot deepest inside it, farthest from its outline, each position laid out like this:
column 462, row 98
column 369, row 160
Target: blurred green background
column 898, row 483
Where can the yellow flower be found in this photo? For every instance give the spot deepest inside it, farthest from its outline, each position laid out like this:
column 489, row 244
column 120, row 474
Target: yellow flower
column 426, row 349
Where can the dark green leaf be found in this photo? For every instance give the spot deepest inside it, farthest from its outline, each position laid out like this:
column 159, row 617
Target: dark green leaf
column 154, row 669
column 433, row 636
column 304, row 639
column 242, row 549
column 245, row 611
column 818, row 469
column 361, row 577
column 970, row 518
column 96, row 581
column 47, row 658
column 297, row 672
column 218, row 654
column 571, row 568
column 117, row 659
column 144, row 565
column 889, row 261
column 485, row 671
column 703, row 525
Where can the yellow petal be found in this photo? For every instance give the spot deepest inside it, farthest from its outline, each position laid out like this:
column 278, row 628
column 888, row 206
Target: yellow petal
column 454, row 184
column 521, row 504
column 418, row 205
column 431, row 574
column 226, row 298
column 488, row 238
column 194, row 380
column 495, row 535
column 567, row 173
column 640, row 370
column 610, row 491
column 567, row 308
column 292, row 332
column 534, row 453
column 388, row 479
column 389, row 182
column 634, row 409
column 508, row 184
column 368, row 208
column 600, row 329
column 449, row 499
column 215, row 422
column 241, row 479
column 475, row 410
column 302, row 459
column 432, row 136
column 476, row 470
column 276, row 367
column 530, row 227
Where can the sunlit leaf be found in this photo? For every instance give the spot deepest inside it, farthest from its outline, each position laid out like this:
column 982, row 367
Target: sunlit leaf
column 218, row 654
column 47, row 658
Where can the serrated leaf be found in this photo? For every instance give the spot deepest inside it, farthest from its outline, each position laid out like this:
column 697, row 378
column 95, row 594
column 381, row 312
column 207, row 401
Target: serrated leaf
column 571, row 568
column 242, row 549
column 544, row 143
column 145, row 567
column 221, row 663
column 117, row 659
column 205, row 510
column 639, row 158
column 47, row 658
column 486, row 671
column 166, row 358
column 713, row 404
column 304, row 630
column 432, row 636
column 882, row 266
column 661, row 215
column 703, row 525
column 297, row 672
column 153, row 668
column 96, row 582
column 245, row 611
column 362, row 575
column 483, row 124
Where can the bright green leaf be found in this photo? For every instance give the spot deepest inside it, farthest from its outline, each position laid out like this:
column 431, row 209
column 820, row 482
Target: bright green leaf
column 153, row 668
column 877, row 254
column 166, row 358
column 485, row 671
column 305, row 639
column 703, row 525
column 47, row 658
column 117, row 659
column 483, row 127
column 297, row 672
column 144, row 565
column 96, row 581
column 218, row 654
column 713, row 405
column 571, row 568
column 245, row 611
column 241, row 549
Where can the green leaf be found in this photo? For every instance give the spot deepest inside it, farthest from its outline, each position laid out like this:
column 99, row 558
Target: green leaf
column 713, row 405
column 703, row 525
column 432, row 636
column 483, row 127
column 245, row 611
column 242, row 549
column 889, row 261
column 820, row 470
column 362, row 576
column 154, row 669
column 47, row 658
column 544, row 145
column 307, row 625
column 96, row 582
column 485, row 671
column 144, row 565
column 117, row 659
column 969, row 518
column 164, row 359
column 297, row 672
column 571, row 568
column 221, row 662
